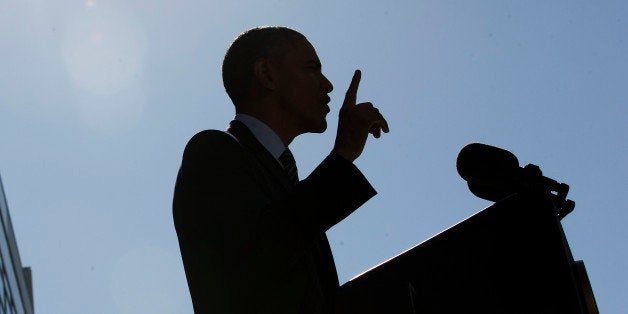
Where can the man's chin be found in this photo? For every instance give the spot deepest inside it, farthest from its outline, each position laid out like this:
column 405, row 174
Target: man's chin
column 322, row 127
column 319, row 128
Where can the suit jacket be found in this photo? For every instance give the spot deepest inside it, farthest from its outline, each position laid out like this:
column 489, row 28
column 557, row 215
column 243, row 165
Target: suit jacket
column 250, row 241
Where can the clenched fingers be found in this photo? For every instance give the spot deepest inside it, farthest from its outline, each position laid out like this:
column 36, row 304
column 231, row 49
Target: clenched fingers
column 372, row 119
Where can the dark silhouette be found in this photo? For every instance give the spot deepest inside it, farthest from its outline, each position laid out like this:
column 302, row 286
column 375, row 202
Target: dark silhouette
column 252, row 237
column 512, row 257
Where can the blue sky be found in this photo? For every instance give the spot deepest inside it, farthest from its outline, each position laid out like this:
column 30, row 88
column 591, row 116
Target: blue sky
column 98, row 98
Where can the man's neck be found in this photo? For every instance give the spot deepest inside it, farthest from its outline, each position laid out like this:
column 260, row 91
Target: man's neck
column 273, row 119
column 263, row 133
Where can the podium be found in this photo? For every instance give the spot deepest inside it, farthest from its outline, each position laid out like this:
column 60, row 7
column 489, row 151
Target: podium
column 511, row 257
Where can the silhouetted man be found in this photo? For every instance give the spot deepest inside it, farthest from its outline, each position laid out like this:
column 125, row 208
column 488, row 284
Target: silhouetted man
column 252, row 236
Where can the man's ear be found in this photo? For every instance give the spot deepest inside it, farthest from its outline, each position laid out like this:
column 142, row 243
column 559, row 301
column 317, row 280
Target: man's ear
column 265, row 73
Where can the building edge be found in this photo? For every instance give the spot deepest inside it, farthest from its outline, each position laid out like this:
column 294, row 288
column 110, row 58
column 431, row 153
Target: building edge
column 22, row 276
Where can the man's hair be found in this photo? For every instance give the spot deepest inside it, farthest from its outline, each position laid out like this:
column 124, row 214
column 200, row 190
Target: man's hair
column 255, row 43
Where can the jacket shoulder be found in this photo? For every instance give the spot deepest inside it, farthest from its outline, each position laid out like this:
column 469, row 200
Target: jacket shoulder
column 213, row 141
column 211, row 137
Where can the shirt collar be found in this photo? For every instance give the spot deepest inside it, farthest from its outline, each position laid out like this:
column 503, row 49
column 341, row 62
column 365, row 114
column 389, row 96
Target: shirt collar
column 263, row 133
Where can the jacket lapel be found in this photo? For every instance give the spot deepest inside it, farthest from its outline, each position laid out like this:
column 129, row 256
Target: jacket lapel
column 268, row 162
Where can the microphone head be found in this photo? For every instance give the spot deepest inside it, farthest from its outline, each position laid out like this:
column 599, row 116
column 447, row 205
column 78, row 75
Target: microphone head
column 486, row 165
column 491, row 173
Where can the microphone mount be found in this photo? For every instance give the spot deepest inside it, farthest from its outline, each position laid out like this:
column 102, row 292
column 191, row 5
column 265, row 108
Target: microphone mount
column 532, row 178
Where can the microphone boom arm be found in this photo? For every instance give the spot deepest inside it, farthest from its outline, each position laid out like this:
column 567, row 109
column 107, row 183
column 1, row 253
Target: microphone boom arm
column 532, row 177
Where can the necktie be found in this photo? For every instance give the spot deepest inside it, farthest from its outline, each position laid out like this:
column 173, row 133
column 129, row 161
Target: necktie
column 290, row 165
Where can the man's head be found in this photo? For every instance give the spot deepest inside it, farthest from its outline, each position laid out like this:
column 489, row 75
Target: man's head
column 277, row 68
column 256, row 43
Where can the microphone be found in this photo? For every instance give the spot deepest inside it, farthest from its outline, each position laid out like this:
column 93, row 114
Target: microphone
column 490, row 172
column 486, row 165
column 493, row 173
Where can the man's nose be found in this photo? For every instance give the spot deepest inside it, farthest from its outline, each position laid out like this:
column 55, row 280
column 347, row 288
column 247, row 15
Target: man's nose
column 327, row 85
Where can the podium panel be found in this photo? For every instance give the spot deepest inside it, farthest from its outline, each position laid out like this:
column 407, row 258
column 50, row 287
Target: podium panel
column 511, row 257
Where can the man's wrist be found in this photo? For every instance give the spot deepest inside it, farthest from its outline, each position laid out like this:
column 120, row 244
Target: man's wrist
column 344, row 155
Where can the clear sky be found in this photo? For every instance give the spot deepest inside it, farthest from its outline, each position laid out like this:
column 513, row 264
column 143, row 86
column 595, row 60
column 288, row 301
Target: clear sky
column 98, row 98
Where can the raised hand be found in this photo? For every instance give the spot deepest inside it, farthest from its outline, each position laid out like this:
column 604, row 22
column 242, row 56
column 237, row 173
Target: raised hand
column 355, row 122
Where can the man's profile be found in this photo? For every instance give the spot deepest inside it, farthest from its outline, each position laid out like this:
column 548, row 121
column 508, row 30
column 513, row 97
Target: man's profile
column 252, row 236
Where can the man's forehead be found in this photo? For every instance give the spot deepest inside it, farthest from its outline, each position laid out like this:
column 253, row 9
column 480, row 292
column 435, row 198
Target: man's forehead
column 304, row 50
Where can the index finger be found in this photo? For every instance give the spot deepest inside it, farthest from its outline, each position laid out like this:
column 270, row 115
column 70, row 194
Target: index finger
column 352, row 91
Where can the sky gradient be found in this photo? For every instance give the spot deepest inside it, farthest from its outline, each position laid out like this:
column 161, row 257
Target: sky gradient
column 98, row 98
